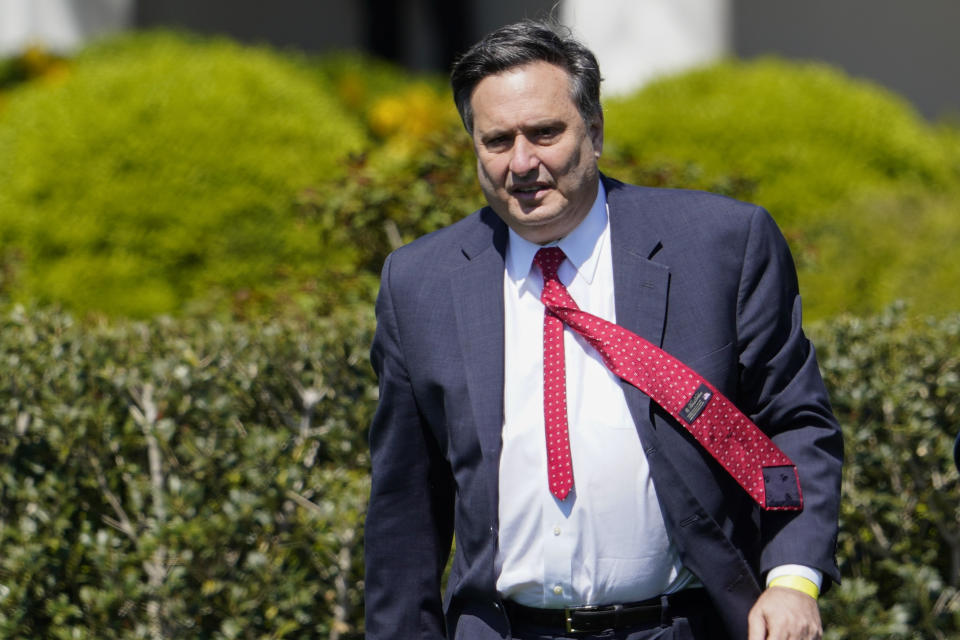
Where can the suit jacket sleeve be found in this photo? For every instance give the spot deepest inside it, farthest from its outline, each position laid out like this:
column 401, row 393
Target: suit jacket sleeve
column 781, row 385
column 409, row 517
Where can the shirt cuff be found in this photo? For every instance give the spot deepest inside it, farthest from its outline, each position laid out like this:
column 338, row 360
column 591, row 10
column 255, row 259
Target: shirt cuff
column 784, row 574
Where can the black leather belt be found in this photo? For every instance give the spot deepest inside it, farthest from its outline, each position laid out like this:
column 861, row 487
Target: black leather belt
column 613, row 616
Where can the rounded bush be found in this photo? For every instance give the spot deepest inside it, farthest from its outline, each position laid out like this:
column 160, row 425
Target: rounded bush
column 162, row 173
column 855, row 178
column 805, row 134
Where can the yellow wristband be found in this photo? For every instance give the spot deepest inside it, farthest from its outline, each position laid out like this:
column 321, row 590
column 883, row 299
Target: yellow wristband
column 797, row 583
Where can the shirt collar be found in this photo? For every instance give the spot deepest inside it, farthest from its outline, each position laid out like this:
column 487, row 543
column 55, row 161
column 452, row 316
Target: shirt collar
column 582, row 246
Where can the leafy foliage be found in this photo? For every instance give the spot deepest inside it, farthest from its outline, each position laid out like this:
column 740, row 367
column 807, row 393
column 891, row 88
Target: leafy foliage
column 861, row 185
column 182, row 479
column 377, row 210
column 417, row 177
column 33, row 64
column 193, row 478
column 161, row 173
column 232, row 456
column 805, row 136
column 895, row 385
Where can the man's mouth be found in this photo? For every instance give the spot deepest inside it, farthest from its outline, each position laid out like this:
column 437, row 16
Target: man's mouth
column 528, row 191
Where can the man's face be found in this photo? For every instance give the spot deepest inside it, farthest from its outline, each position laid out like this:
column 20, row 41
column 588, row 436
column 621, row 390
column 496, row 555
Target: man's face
column 536, row 157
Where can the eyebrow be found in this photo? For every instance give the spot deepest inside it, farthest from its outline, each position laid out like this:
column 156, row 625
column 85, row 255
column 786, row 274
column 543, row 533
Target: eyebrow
column 546, row 123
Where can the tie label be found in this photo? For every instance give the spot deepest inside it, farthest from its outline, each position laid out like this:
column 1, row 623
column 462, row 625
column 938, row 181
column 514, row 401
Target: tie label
column 697, row 403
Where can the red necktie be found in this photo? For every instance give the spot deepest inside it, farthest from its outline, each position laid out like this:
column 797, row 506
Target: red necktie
column 744, row 451
column 559, row 464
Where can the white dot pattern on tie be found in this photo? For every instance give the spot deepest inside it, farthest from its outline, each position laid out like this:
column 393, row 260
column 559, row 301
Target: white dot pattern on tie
column 722, row 429
column 559, row 462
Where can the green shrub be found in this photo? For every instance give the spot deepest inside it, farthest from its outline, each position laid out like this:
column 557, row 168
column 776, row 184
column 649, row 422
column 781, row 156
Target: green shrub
column 857, row 180
column 808, row 137
column 895, row 386
column 418, row 176
column 162, row 173
column 33, row 64
column 883, row 248
column 362, row 82
column 234, row 457
column 182, row 479
column 397, row 194
column 865, row 191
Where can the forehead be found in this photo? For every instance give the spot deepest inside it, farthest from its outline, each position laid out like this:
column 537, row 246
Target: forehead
column 538, row 90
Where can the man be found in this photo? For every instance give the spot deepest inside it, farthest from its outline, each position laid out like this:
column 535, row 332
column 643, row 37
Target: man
column 634, row 516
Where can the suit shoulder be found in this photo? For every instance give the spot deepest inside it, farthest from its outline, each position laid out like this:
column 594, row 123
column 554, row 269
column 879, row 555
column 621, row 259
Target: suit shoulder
column 686, row 228
column 685, row 213
column 440, row 251
column 433, row 246
column 688, row 202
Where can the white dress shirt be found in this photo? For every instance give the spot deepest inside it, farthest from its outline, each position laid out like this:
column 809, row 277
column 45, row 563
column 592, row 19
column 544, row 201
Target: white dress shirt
column 607, row 542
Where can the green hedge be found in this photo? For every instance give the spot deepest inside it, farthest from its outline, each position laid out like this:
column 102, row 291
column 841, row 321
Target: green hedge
column 233, row 457
column 182, row 479
column 895, row 385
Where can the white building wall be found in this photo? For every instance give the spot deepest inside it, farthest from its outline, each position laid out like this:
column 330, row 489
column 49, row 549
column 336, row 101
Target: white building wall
column 637, row 40
column 58, row 25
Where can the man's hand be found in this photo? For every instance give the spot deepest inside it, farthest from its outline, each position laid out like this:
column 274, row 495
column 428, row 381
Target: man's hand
column 784, row 614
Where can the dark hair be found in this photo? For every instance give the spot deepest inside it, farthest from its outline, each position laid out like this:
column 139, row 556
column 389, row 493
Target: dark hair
column 522, row 43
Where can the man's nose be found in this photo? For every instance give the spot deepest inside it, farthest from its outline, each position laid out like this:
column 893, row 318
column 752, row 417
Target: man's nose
column 525, row 158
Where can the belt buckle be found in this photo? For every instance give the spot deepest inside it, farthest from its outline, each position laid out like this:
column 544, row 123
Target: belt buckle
column 568, row 613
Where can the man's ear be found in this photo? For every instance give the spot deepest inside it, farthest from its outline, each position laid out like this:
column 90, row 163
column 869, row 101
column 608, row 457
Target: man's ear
column 595, row 131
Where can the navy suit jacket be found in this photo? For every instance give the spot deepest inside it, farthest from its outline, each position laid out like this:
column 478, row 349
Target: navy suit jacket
column 708, row 279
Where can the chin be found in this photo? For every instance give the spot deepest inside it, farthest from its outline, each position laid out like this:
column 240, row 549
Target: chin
column 541, row 212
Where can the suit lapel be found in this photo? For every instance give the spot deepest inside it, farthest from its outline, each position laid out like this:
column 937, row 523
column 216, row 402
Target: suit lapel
column 478, row 299
column 640, row 285
column 640, row 288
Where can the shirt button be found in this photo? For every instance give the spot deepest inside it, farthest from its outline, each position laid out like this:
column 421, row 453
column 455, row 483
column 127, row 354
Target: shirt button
column 558, row 590
column 556, row 531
